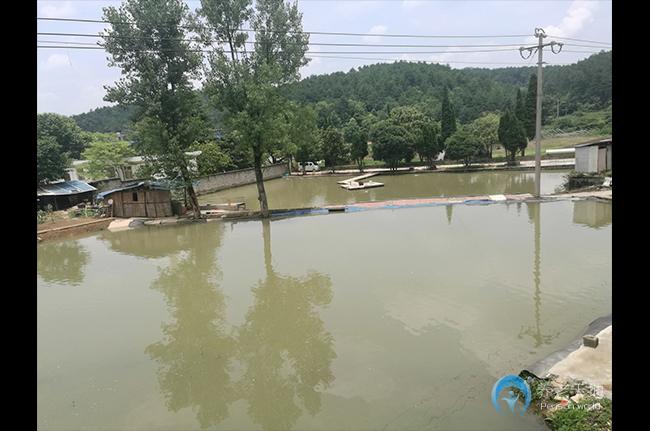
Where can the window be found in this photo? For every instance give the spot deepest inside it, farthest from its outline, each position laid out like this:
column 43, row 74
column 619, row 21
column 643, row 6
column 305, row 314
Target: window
column 135, row 196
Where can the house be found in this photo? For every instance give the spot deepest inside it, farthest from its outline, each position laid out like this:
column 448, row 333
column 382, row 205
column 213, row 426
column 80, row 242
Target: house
column 64, row 194
column 594, row 156
column 131, row 166
column 144, row 199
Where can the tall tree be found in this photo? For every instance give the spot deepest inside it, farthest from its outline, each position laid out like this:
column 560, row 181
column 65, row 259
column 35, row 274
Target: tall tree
column 50, row 160
column 462, row 146
column 447, row 118
column 304, row 134
column 511, row 135
column 70, row 138
column 391, row 143
column 245, row 82
column 485, row 131
column 333, row 147
column 528, row 120
column 148, row 41
column 357, row 141
column 429, row 144
column 520, row 112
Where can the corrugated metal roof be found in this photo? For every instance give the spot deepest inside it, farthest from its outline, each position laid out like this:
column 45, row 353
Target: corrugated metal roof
column 599, row 142
column 148, row 184
column 64, row 188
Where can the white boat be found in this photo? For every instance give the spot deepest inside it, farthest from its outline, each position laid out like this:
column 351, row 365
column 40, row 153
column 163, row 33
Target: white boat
column 353, row 185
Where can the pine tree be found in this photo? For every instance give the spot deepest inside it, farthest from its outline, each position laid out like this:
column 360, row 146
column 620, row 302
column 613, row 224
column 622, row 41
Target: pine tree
column 530, row 108
column 520, row 113
column 511, row 135
column 447, row 118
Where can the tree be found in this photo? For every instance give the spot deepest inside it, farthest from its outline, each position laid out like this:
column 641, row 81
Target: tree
column 51, row 161
column 529, row 114
column 212, row 159
column 462, row 146
column 304, row 134
column 511, row 135
column 447, row 118
column 333, row 147
column 413, row 120
column 245, row 81
column 64, row 131
column 485, row 131
column 520, row 113
column 391, row 143
column 357, row 141
column 104, row 158
column 429, row 144
column 148, row 41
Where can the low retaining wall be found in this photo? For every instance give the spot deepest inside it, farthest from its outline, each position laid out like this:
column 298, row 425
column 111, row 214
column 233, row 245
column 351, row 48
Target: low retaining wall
column 226, row 180
column 81, row 228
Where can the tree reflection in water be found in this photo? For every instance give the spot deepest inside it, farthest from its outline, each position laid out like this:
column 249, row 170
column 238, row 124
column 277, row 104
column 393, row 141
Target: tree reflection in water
column 62, row 262
column 282, row 351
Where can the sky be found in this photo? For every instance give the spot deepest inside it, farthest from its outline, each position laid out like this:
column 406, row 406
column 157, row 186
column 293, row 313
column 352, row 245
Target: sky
column 71, row 81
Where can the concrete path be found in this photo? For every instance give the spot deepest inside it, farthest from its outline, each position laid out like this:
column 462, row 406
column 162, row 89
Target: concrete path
column 522, row 164
column 591, row 365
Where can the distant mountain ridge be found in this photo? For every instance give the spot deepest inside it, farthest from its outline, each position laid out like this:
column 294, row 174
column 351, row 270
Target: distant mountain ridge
column 583, row 86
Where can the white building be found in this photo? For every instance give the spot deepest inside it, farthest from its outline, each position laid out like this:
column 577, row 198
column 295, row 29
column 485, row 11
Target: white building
column 592, row 157
column 131, row 167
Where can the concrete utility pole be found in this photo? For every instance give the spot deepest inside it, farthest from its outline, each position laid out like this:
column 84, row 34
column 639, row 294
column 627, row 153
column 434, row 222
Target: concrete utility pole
column 539, row 48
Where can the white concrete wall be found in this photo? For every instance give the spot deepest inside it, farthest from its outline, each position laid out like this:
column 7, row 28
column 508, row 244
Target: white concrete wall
column 214, row 183
column 587, row 159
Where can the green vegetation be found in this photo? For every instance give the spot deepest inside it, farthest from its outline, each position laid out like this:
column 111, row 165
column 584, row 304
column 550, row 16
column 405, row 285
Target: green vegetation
column 104, row 157
column 106, row 119
column 462, row 146
column 392, row 143
column 245, row 83
column 64, row 131
column 357, row 140
column 51, row 161
column 511, row 135
column 157, row 70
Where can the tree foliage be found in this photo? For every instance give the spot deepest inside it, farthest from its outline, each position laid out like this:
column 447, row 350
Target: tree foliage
column 530, row 112
column 357, row 140
column 64, row 131
column 212, row 160
column 148, row 40
column 429, row 144
column 463, row 146
column 391, row 143
column 333, row 147
column 511, row 135
column 447, row 118
column 51, row 161
column 104, row 158
column 484, row 130
column 244, row 81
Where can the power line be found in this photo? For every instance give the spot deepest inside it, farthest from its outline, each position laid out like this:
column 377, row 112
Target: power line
column 325, row 33
column 581, row 40
column 310, row 43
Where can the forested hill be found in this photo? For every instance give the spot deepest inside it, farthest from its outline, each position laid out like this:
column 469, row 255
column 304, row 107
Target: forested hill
column 583, row 86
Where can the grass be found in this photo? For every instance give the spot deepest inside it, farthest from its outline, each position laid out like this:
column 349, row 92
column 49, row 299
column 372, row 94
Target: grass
column 553, row 143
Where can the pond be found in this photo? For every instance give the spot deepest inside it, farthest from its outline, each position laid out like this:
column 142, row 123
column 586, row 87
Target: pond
column 383, row 319
column 315, row 191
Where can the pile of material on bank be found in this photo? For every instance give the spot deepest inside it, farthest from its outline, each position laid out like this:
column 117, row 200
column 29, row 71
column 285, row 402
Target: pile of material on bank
column 353, row 185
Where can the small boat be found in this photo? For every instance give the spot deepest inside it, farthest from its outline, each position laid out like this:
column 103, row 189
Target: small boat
column 353, row 185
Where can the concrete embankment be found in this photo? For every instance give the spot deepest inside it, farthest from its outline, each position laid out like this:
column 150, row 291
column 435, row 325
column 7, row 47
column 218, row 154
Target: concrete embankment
column 73, row 230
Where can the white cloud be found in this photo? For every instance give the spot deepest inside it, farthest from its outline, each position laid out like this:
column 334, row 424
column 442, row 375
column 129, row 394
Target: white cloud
column 57, row 9
column 56, row 61
column 580, row 13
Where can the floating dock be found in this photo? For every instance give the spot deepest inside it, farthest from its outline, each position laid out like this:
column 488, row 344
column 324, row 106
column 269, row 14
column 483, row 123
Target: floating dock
column 359, row 178
column 358, row 186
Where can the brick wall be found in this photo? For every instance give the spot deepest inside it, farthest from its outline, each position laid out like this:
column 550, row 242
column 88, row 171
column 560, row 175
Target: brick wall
column 226, row 180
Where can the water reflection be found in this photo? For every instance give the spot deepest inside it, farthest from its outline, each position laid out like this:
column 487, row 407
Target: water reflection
column 150, row 241
column 591, row 213
column 449, row 209
column 195, row 356
column 284, row 346
column 62, row 262
column 278, row 360
column 535, row 331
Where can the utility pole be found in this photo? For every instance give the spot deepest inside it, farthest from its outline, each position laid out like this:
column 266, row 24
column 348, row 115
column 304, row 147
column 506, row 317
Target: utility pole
column 539, row 48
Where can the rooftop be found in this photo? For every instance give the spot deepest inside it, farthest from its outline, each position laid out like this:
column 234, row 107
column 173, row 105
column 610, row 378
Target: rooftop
column 64, row 188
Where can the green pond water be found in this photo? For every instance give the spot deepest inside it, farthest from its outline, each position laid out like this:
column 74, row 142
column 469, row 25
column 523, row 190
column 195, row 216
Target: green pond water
column 383, row 319
column 314, row 191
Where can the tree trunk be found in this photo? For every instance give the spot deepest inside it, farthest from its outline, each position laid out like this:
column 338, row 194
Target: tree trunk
column 194, row 201
column 259, row 179
column 360, row 164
